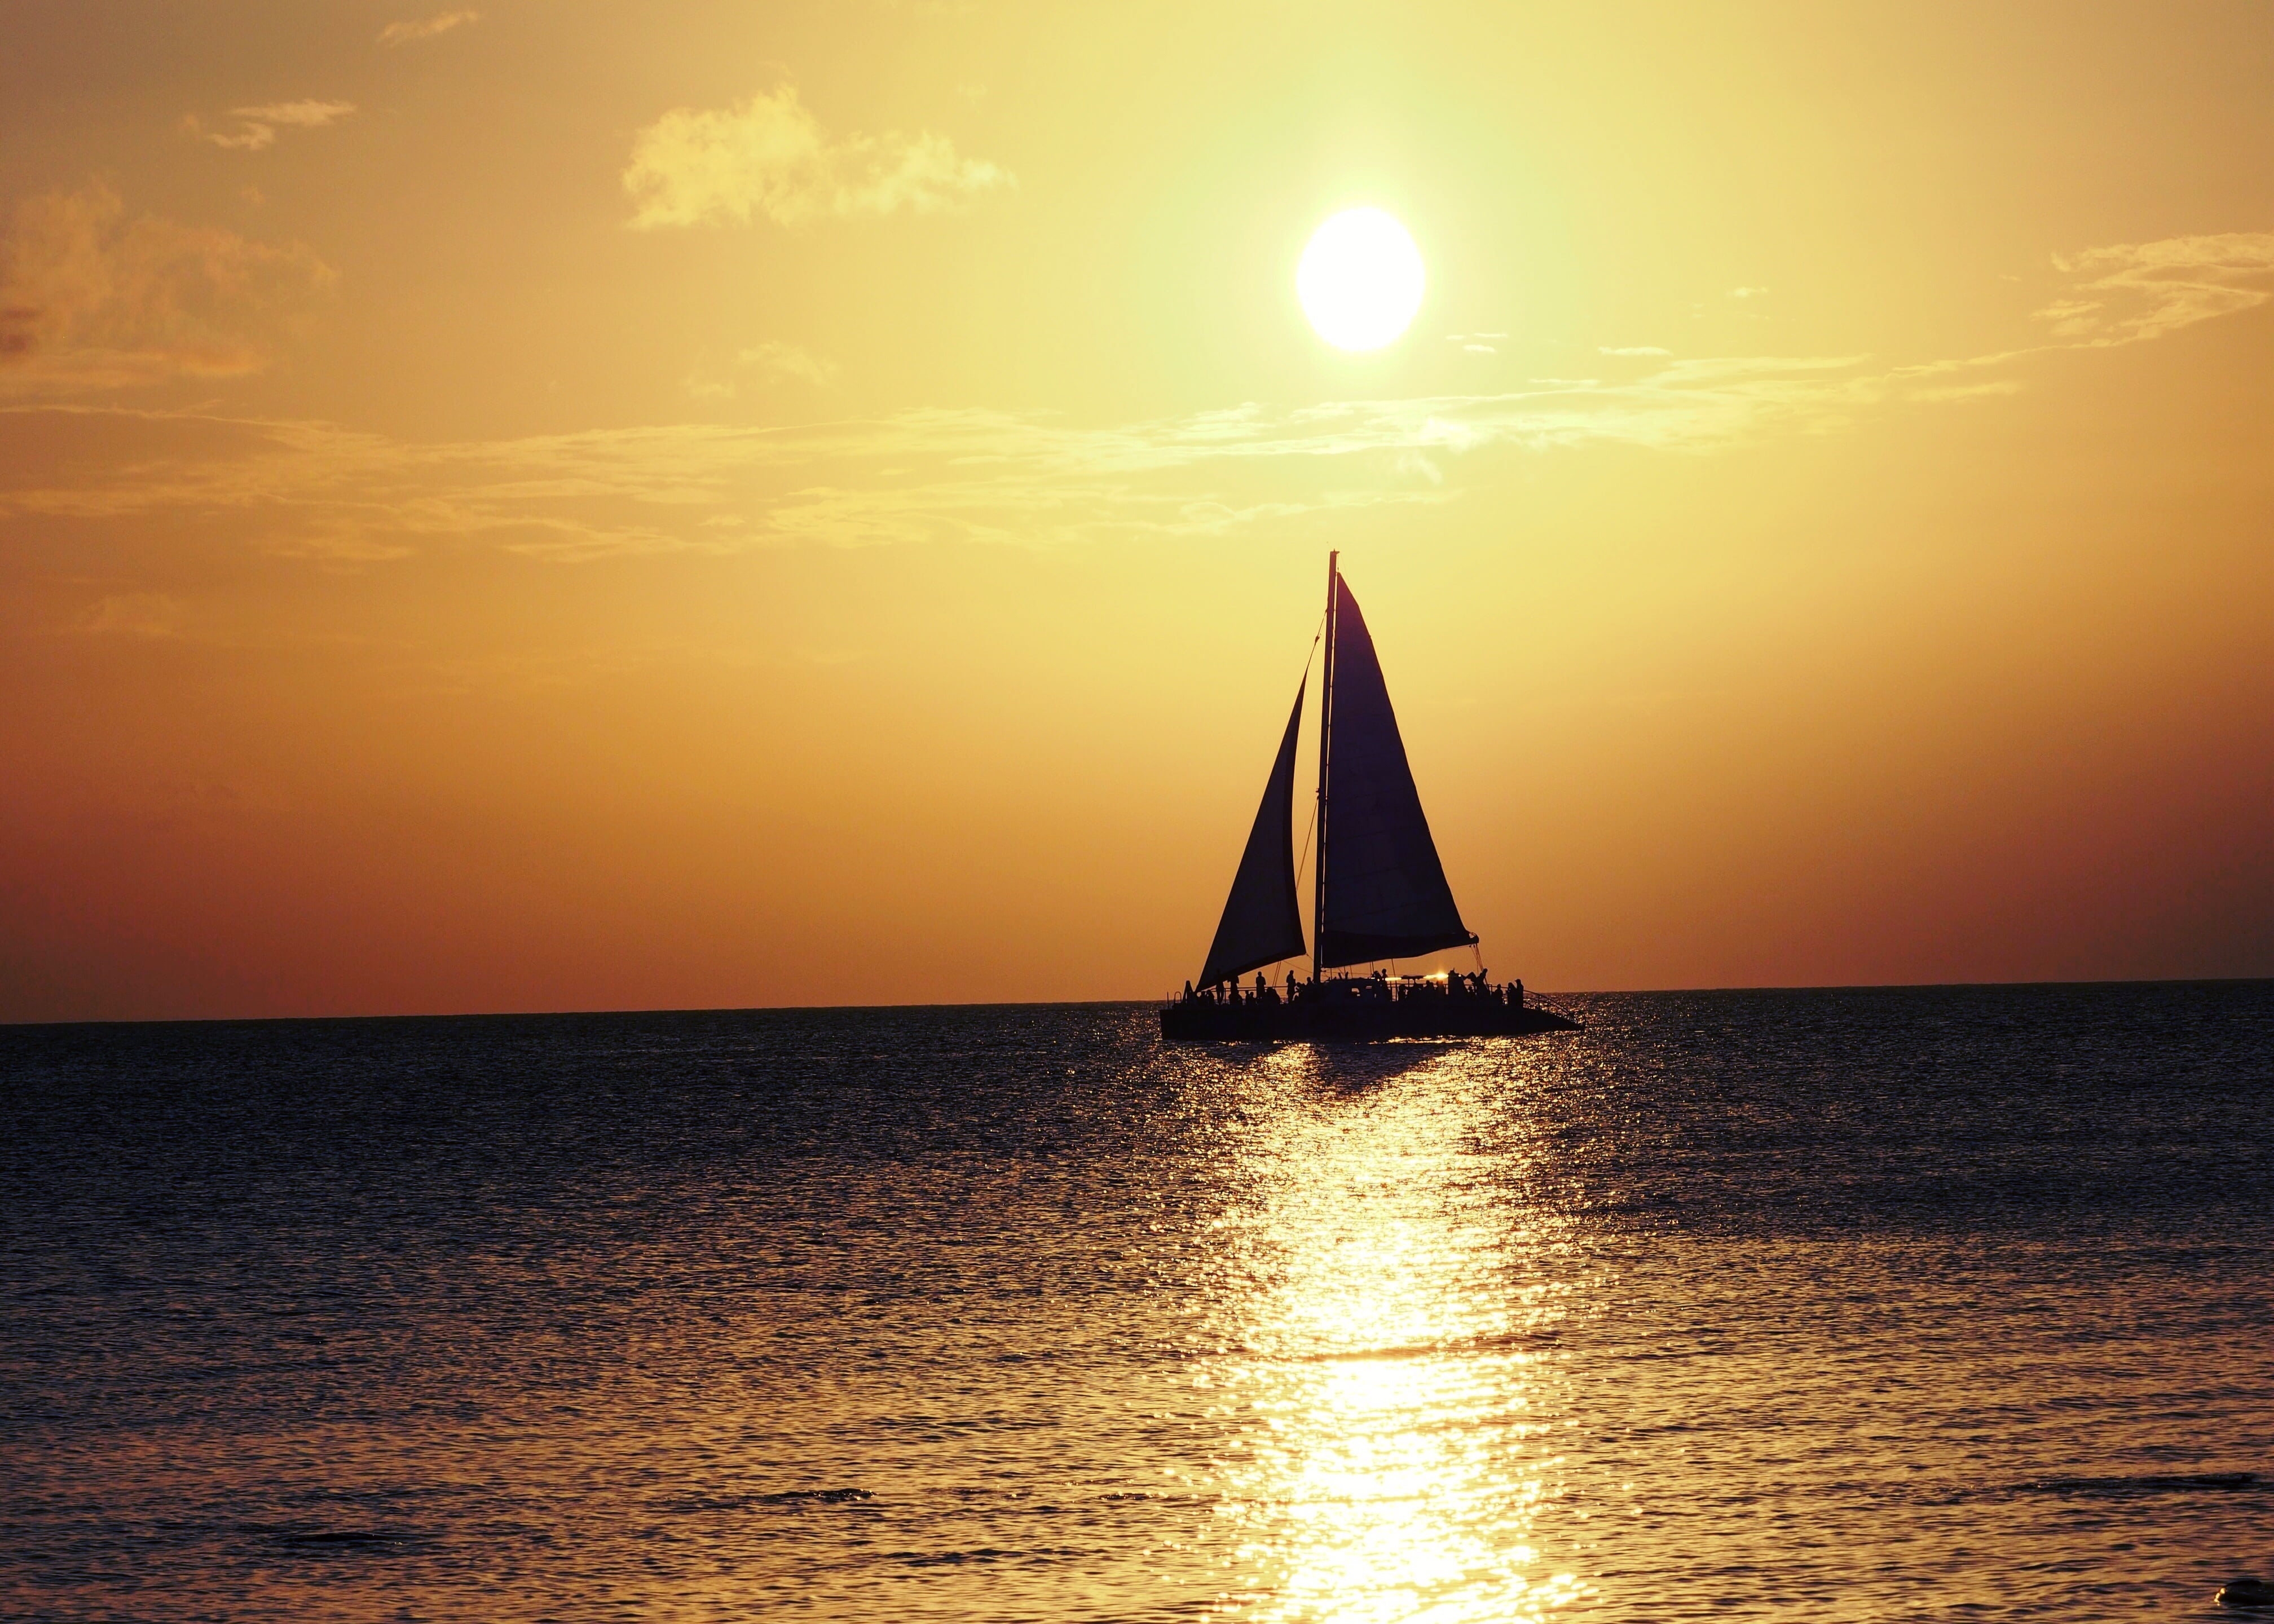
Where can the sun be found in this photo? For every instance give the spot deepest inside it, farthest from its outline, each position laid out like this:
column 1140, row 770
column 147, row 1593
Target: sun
column 1360, row 279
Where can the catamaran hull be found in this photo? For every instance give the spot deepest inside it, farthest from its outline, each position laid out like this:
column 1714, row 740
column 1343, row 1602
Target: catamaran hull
column 1200, row 1021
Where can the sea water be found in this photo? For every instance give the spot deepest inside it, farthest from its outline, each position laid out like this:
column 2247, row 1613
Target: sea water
column 1926, row 1304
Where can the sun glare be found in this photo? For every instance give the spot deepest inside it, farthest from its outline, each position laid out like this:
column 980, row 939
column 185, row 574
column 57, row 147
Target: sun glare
column 1361, row 280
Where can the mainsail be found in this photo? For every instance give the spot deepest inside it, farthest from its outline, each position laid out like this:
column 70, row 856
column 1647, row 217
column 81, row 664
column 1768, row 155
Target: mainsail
column 1382, row 893
column 1261, row 924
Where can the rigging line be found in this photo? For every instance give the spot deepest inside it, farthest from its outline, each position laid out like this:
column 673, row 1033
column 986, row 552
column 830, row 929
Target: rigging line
column 1316, row 638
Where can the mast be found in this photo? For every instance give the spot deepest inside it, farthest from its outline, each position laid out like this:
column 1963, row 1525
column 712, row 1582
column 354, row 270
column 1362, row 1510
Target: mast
column 1382, row 891
column 1326, row 746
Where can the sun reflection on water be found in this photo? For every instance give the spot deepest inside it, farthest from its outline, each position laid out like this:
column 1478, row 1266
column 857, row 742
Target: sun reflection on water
column 1384, row 1349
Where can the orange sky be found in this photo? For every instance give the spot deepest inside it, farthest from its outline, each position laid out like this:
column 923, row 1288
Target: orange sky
column 552, row 505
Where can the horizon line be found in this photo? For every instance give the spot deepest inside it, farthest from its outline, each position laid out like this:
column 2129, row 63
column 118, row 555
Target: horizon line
column 1095, row 1003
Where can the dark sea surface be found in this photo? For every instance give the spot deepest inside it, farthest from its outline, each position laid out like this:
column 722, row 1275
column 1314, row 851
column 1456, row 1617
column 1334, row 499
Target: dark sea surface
column 1899, row 1305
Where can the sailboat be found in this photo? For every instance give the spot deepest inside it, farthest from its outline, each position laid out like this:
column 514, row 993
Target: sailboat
column 1379, row 893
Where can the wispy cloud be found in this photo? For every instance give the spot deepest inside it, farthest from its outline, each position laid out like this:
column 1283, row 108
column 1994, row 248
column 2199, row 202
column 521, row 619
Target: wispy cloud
column 426, row 28
column 132, row 614
column 770, row 157
column 325, row 493
column 1631, row 350
column 2141, row 290
column 973, row 476
column 256, row 127
column 769, row 362
column 307, row 115
column 90, row 300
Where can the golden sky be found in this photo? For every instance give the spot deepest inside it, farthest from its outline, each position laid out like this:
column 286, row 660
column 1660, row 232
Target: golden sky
column 552, row 505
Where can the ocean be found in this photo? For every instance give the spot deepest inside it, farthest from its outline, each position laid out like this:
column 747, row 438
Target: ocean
column 1926, row 1303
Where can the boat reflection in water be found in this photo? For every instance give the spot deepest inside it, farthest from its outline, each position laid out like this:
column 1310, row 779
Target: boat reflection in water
column 1384, row 1364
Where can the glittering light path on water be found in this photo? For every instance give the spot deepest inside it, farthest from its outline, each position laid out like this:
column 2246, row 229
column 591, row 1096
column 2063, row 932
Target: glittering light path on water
column 1381, row 1348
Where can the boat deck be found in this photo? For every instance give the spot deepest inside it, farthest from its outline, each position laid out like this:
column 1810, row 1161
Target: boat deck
column 1353, row 1020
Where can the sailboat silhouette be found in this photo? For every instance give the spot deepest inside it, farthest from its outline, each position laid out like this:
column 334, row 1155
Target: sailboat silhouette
column 1379, row 894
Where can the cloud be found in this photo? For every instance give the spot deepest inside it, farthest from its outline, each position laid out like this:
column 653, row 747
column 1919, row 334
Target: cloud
column 1632, row 349
column 768, row 362
column 91, row 300
column 243, row 138
column 770, row 157
column 776, row 359
column 2141, row 290
column 323, row 493
column 317, row 490
column 1748, row 293
column 133, row 614
column 305, row 115
column 257, row 126
column 426, row 28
